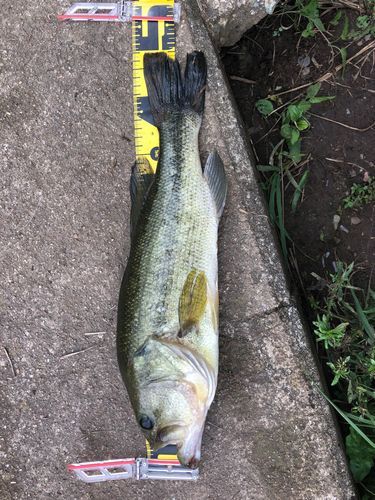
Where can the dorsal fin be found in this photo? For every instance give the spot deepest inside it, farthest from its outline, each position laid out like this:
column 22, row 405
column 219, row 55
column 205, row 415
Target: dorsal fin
column 141, row 180
column 214, row 173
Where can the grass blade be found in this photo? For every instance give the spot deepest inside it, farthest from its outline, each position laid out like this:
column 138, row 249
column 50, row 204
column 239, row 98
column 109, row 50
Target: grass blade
column 350, row 422
column 345, row 30
column 368, row 328
column 298, row 191
column 274, row 151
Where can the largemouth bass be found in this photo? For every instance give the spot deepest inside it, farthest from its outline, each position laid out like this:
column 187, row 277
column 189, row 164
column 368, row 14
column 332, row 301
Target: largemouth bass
column 167, row 333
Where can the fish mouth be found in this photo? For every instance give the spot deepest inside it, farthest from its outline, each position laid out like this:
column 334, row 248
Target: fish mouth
column 189, row 450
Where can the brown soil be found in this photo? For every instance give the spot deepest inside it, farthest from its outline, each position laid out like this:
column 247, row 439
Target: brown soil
column 339, row 156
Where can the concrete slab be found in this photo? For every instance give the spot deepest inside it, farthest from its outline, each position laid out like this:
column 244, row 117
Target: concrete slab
column 228, row 20
column 66, row 152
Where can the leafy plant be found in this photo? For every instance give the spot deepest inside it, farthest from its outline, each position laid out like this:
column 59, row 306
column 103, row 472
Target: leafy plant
column 308, row 11
column 361, row 455
column 295, row 118
column 365, row 24
column 360, row 194
column 330, row 336
column 349, row 341
column 287, row 153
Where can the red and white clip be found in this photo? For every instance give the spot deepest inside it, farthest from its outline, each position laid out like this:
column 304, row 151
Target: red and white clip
column 140, row 468
column 121, row 11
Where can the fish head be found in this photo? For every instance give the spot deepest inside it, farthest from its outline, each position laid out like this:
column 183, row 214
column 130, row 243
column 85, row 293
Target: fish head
column 175, row 387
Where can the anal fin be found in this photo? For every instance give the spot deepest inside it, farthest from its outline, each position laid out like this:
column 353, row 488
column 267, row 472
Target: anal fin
column 141, row 180
column 193, row 302
column 214, row 173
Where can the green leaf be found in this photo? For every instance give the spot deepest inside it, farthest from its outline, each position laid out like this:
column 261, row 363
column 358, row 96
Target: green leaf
column 345, row 30
column 313, row 90
column 286, row 131
column 302, row 125
column 360, row 467
column 335, row 20
column 357, row 446
column 314, row 100
column 274, row 151
column 295, row 151
column 291, row 178
column 307, row 33
column 304, row 105
column 361, row 455
column 263, row 106
column 294, row 112
column 318, row 23
column 362, row 22
column 298, row 191
column 295, row 136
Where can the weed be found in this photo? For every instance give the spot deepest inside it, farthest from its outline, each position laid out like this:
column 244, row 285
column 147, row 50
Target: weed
column 365, row 24
column 294, row 119
column 349, row 341
column 308, row 11
column 360, row 194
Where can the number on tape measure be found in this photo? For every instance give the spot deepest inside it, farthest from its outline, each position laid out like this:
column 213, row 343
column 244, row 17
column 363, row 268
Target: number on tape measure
column 149, row 36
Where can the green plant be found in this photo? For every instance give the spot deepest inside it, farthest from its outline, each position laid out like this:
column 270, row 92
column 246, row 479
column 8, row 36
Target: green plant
column 365, row 24
column 330, row 336
column 360, row 194
column 278, row 31
column 361, row 455
column 308, row 11
column 349, row 340
column 287, row 153
column 295, row 118
column 311, row 12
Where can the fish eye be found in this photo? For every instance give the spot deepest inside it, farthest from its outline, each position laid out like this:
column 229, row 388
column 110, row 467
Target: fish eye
column 146, row 422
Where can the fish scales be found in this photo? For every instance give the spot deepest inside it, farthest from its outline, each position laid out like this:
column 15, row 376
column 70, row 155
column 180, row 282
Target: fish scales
column 167, row 339
column 177, row 233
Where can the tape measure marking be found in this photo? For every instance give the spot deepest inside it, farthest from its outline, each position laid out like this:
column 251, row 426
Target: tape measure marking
column 149, row 36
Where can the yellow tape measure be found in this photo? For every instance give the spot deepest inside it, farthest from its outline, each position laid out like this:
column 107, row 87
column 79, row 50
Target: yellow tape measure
column 167, row 453
column 149, row 36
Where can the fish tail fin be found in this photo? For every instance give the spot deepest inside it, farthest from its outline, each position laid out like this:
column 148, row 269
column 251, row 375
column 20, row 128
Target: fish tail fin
column 195, row 81
column 166, row 91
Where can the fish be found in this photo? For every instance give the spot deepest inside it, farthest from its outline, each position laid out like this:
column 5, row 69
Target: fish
column 168, row 317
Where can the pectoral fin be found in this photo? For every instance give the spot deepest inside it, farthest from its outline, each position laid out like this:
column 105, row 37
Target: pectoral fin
column 141, row 180
column 193, row 302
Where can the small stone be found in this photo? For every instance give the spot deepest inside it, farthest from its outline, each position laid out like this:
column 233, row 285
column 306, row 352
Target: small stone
column 336, row 220
column 355, row 220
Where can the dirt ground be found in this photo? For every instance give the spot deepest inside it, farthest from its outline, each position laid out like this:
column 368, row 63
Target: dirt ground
column 339, row 156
